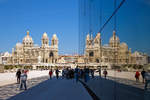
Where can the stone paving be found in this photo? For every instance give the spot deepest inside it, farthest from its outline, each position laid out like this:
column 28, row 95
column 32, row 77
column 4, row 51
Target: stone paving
column 118, row 89
column 13, row 89
column 128, row 82
column 104, row 89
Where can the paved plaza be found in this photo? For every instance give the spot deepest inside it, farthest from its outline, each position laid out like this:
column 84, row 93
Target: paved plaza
column 10, row 90
column 42, row 88
column 54, row 89
column 118, row 89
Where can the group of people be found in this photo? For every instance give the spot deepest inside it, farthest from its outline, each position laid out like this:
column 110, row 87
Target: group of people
column 145, row 77
column 22, row 78
column 76, row 73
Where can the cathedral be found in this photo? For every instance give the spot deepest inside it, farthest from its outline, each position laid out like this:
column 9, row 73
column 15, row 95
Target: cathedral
column 29, row 53
column 112, row 53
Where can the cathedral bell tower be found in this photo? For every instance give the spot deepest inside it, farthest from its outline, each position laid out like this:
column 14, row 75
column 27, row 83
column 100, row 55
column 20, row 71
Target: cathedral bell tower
column 97, row 40
column 54, row 41
column 45, row 40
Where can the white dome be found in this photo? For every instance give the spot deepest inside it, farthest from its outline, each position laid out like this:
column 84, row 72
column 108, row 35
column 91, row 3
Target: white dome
column 114, row 38
column 18, row 45
column 45, row 35
column 98, row 35
column 124, row 44
column 88, row 37
column 55, row 37
column 27, row 38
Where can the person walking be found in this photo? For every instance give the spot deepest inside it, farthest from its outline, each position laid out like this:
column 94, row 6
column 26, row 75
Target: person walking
column 143, row 75
column 18, row 74
column 76, row 71
column 57, row 73
column 137, row 75
column 50, row 73
column 147, row 79
column 23, row 79
column 105, row 73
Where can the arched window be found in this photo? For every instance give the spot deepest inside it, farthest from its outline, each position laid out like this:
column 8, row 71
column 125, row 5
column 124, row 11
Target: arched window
column 97, row 60
column 51, row 54
column 91, row 54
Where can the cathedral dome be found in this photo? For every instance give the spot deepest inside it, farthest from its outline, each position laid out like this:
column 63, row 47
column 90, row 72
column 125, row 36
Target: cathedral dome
column 88, row 37
column 27, row 39
column 18, row 45
column 45, row 35
column 54, row 37
column 114, row 38
column 124, row 46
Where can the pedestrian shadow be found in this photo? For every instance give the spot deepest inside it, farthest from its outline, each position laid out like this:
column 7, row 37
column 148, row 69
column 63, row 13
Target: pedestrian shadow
column 28, row 94
column 114, row 89
column 10, row 90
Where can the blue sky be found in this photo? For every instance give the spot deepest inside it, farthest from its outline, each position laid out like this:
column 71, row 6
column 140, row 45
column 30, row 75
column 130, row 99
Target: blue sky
column 51, row 16
column 133, row 22
column 61, row 17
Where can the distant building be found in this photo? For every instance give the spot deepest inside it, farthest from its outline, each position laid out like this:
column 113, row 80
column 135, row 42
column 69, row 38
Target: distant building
column 5, row 58
column 113, row 53
column 0, row 58
column 72, row 59
column 28, row 53
column 149, row 59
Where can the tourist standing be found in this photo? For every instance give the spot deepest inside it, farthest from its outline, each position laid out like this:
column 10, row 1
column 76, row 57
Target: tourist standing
column 81, row 73
column 147, row 79
column 76, row 71
column 50, row 73
column 86, row 74
column 63, row 73
column 143, row 75
column 137, row 76
column 18, row 73
column 105, row 73
column 92, row 73
column 57, row 73
column 23, row 78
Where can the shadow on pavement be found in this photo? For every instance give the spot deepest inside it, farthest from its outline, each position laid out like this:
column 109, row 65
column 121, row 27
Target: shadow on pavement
column 28, row 92
column 108, row 89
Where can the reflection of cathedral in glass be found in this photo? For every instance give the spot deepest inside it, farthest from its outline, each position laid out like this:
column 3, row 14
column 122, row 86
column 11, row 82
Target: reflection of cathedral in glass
column 28, row 53
column 112, row 53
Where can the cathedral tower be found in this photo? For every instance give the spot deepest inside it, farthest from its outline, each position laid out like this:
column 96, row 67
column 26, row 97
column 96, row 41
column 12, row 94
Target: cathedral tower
column 54, row 41
column 45, row 40
column 27, row 41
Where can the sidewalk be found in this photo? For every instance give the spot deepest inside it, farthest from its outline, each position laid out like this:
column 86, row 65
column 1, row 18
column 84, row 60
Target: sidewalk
column 118, row 89
column 54, row 89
